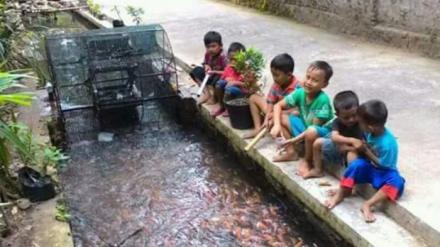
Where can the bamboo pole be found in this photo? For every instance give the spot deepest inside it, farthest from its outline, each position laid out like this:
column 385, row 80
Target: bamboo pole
column 256, row 139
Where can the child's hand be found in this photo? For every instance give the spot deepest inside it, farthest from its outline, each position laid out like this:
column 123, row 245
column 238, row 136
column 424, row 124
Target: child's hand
column 358, row 144
column 207, row 68
column 268, row 120
column 275, row 131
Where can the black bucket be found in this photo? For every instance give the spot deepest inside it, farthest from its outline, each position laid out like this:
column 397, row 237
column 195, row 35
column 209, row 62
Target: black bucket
column 239, row 113
column 34, row 186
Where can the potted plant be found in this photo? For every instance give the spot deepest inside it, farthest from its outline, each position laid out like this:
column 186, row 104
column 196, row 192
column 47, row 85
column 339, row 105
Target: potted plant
column 135, row 13
column 40, row 162
column 249, row 64
column 117, row 22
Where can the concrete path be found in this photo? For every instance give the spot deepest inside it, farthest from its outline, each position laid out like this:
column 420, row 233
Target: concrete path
column 408, row 83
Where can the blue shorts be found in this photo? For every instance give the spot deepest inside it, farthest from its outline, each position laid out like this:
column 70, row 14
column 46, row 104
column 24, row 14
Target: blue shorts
column 231, row 90
column 331, row 153
column 361, row 171
column 297, row 127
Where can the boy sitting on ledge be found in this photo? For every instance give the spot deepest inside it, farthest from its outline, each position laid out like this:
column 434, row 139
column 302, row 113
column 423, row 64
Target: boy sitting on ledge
column 345, row 131
column 379, row 168
column 314, row 111
column 285, row 82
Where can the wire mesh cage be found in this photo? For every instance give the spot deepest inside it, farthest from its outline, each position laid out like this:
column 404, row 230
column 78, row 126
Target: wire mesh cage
column 111, row 68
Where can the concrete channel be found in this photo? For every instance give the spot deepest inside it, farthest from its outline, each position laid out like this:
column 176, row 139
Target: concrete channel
column 344, row 220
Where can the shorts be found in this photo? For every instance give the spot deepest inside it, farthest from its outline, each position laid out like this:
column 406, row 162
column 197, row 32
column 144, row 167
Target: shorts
column 297, row 127
column 198, row 74
column 361, row 171
column 233, row 91
column 331, row 153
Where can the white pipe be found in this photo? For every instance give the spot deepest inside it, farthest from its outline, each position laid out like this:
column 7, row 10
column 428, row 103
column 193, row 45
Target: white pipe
column 205, row 80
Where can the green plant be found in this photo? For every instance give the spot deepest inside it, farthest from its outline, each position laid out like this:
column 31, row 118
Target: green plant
column 116, row 10
column 62, row 213
column 135, row 13
column 250, row 64
column 9, row 139
column 94, row 8
column 37, row 154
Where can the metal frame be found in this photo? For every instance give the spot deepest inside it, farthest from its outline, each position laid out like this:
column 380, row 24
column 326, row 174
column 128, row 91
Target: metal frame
column 140, row 55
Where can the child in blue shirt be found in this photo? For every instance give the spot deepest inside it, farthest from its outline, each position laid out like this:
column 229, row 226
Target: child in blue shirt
column 379, row 168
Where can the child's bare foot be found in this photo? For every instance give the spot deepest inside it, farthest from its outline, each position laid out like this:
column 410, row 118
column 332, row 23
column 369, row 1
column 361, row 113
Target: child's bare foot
column 203, row 98
column 217, row 112
column 211, row 101
column 368, row 213
column 287, row 155
column 332, row 192
column 335, row 200
column 313, row 173
column 303, row 168
column 251, row 134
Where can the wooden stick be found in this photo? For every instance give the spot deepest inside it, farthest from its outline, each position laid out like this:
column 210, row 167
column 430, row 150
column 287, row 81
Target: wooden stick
column 256, row 139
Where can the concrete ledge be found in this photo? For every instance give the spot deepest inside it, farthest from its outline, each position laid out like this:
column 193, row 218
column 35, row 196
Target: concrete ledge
column 346, row 219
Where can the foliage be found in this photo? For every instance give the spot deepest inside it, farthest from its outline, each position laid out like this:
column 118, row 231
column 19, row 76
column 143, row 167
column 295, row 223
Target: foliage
column 62, row 213
column 135, row 13
column 250, row 64
column 249, row 60
column 116, row 10
column 9, row 140
column 37, row 154
column 9, row 80
column 94, row 8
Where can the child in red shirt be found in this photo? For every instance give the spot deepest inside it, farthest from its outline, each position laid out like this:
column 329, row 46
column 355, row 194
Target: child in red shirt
column 231, row 83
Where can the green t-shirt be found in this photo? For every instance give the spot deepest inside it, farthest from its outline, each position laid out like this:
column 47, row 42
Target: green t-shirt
column 320, row 107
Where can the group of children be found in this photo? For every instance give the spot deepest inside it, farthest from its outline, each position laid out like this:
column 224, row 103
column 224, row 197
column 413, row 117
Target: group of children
column 345, row 132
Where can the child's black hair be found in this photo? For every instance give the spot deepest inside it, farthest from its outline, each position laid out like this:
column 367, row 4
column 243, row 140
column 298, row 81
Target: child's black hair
column 345, row 100
column 235, row 47
column 212, row 37
column 283, row 62
column 373, row 112
column 324, row 66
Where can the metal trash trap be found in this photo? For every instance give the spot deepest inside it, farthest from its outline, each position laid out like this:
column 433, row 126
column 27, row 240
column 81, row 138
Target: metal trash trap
column 113, row 68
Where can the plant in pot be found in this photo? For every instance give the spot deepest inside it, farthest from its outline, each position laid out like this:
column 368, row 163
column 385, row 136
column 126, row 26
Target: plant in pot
column 36, row 178
column 95, row 9
column 249, row 64
column 135, row 13
column 117, row 22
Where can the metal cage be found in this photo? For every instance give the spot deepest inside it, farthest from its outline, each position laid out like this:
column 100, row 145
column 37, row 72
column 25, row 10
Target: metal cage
column 111, row 68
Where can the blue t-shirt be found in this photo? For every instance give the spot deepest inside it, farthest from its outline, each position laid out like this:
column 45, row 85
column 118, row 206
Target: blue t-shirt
column 385, row 147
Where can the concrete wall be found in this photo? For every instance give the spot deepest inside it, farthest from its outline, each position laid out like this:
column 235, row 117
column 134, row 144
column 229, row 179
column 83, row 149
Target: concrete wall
column 409, row 24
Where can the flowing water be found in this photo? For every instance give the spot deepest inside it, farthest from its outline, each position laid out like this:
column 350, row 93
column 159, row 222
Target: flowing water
column 160, row 184
column 172, row 186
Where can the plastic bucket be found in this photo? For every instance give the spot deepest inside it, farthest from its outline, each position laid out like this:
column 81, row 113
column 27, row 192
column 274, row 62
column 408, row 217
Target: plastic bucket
column 239, row 113
column 34, row 186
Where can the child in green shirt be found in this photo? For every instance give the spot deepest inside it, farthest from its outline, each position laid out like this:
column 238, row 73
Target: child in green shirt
column 314, row 111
